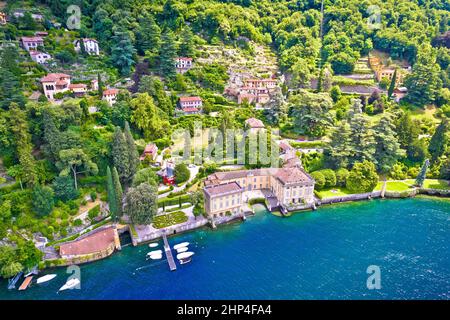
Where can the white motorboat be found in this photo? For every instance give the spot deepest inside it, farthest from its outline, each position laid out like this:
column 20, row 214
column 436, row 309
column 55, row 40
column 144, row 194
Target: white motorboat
column 70, row 284
column 185, row 257
column 180, row 245
column 153, row 245
column 154, row 252
column 155, row 256
column 45, row 278
column 182, row 249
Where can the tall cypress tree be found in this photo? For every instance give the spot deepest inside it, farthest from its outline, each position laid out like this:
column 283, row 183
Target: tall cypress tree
column 118, row 191
column 82, row 48
column 133, row 156
column 24, row 146
column 120, row 155
column 422, row 174
column 112, row 200
column 100, row 86
column 438, row 142
column 392, row 85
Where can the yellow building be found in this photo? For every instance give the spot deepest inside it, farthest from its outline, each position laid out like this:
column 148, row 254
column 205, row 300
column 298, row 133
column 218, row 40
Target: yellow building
column 223, row 199
column 291, row 185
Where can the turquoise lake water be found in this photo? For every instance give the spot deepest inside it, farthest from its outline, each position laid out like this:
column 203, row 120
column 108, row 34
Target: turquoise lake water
column 311, row 255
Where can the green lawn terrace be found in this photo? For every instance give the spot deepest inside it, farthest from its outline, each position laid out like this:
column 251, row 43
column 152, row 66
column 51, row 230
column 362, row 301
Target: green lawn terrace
column 391, row 186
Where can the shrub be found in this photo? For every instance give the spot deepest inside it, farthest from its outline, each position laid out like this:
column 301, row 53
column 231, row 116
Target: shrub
column 182, row 173
column 94, row 212
column 93, row 196
column 341, row 177
column 43, row 202
column 77, row 222
column 256, row 200
column 330, row 178
column 399, row 171
column 320, row 180
column 362, row 178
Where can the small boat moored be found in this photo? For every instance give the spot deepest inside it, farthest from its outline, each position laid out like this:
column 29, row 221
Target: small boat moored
column 25, row 283
column 45, row 278
column 155, row 255
column 180, row 245
column 153, row 245
column 182, row 249
column 185, row 257
column 70, row 284
column 12, row 282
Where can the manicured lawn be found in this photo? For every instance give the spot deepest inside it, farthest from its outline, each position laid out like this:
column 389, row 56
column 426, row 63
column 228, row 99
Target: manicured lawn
column 397, row 186
column 169, row 219
column 432, row 184
column 334, row 192
column 379, row 186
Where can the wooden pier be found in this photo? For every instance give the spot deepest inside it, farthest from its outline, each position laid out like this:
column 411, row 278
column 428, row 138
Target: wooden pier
column 169, row 255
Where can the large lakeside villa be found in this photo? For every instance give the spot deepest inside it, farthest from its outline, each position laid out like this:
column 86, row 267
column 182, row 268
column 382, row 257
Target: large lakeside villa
column 287, row 188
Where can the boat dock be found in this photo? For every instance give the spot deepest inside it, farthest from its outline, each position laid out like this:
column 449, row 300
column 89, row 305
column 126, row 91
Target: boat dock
column 169, row 255
column 25, row 283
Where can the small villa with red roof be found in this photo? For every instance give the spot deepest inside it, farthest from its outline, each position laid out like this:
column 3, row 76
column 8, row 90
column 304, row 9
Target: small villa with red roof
column 40, row 57
column 54, row 83
column 110, row 95
column 150, row 151
column 31, row 43
column 191, row 105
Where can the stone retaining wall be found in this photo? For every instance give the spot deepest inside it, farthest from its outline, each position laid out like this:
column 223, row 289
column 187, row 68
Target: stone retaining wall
column 350, row 197
column 169, row 231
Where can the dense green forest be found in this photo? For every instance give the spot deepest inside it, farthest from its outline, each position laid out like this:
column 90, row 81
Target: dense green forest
column 58, row 157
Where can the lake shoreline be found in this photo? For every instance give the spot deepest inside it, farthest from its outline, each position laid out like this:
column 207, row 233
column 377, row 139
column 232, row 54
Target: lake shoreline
column 238, row 219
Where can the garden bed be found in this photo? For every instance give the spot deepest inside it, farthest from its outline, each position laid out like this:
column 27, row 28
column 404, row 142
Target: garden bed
column 170, row 219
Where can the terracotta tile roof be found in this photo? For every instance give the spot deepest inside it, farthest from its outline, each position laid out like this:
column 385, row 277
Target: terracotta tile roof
column 228, row 175
column 53, row 77
column 184, row 58
column 32, row 39
column 92, row 243
column 187, row 99
column 293, row 175
column 190, row 109
column 254, row 123
column 77, row 86
column 108, row 92
column 150, row 148
column 223, row 189
column 284, row 146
